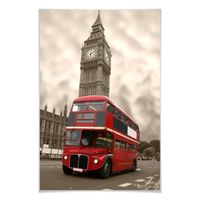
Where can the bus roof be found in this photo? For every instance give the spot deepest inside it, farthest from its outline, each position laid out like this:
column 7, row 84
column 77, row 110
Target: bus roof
column 92, row 98
column 101, row 98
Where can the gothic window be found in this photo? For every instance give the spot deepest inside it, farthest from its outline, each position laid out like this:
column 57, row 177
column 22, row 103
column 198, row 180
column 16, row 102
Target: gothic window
column 59, row 129
column 42, row 125
column 62, row 130
column 55, row 129
column 51, row 128
column 90, row 75
column 94, row 75
column 105, row 79
column 47, row 126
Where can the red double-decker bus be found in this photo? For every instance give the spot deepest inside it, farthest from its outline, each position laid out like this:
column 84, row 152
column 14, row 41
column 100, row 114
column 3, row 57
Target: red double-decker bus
column 99, row 137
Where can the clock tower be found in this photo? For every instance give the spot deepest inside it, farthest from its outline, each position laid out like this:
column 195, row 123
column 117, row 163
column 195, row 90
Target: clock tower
column 95, row 62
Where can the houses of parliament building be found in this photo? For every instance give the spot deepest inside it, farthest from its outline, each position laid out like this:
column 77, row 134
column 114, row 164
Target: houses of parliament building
column 95, row 69
column 52, row 127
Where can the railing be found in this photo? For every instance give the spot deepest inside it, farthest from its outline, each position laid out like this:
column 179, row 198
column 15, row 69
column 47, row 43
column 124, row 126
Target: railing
column 50, row 153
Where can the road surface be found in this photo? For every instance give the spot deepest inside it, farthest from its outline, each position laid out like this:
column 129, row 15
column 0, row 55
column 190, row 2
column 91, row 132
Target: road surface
column 146, row 177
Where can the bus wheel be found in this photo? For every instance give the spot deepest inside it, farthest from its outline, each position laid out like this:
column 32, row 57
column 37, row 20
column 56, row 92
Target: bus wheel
column 105, row 171
column 66, row 170
column 134, row 166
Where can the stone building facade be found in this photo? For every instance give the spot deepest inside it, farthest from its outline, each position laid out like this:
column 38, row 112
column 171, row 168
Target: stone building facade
column 95, row 63
column 52, row 127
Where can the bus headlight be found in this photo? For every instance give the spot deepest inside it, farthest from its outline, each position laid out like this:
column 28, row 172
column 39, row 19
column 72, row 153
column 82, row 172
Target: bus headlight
column 65, row 157
column 95, row 161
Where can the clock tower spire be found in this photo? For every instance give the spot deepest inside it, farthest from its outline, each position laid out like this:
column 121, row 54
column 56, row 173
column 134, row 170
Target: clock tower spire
column 95, row 62
column 98, row 22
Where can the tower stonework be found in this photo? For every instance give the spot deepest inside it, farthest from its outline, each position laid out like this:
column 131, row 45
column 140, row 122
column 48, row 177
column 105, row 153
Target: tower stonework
column 95, row 63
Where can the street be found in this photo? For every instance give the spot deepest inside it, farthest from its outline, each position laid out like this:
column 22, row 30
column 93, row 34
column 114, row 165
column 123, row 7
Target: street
column 146, row 177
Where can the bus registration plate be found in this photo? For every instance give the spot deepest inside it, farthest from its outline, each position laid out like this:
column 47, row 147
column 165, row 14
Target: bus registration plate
column 77, row 169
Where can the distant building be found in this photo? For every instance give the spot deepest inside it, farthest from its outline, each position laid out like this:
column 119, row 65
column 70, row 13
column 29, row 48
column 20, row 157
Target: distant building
column 95, row 63
column 52, row 127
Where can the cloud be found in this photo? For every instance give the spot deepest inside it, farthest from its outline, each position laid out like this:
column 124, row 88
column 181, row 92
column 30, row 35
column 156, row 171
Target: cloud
column 122, row 99
column 43, row 91
column 61, row 102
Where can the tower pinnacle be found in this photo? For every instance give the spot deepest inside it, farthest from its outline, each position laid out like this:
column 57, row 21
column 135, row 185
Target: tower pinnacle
column 98, row 26
column 45, row 108
column 98, row 20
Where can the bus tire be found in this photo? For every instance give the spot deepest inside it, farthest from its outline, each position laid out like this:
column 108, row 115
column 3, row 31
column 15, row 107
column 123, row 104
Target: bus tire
column 66, row 170
column 105, row 171
column 134, row 165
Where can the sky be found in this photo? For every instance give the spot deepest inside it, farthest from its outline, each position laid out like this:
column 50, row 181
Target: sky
column 134, row 39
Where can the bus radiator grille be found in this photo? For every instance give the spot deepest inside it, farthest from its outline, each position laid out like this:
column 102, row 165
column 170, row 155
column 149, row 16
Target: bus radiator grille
column 83, row 161
column 74, row 161
column 79, row 161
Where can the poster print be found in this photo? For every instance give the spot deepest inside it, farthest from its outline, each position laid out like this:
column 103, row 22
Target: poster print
column 109, row 53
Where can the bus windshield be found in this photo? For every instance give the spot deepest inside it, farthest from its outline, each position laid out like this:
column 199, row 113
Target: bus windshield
column 72, row 138
column 96, row 139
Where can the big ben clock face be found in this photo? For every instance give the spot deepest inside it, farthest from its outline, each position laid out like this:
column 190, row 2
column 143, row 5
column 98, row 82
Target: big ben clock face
column 91, row 53
column 106, row 56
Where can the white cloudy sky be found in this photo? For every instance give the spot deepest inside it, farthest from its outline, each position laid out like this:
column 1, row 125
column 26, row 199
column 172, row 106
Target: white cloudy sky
column 134, row 38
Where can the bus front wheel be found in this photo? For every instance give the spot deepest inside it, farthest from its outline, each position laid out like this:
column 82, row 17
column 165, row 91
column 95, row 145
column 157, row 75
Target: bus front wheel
column 66, row 170
column 105, row 171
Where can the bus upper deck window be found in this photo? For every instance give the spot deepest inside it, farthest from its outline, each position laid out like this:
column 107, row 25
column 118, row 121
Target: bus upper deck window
column 117, row 114
column 95, row 105
column 78, row 107
column 110, row 108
